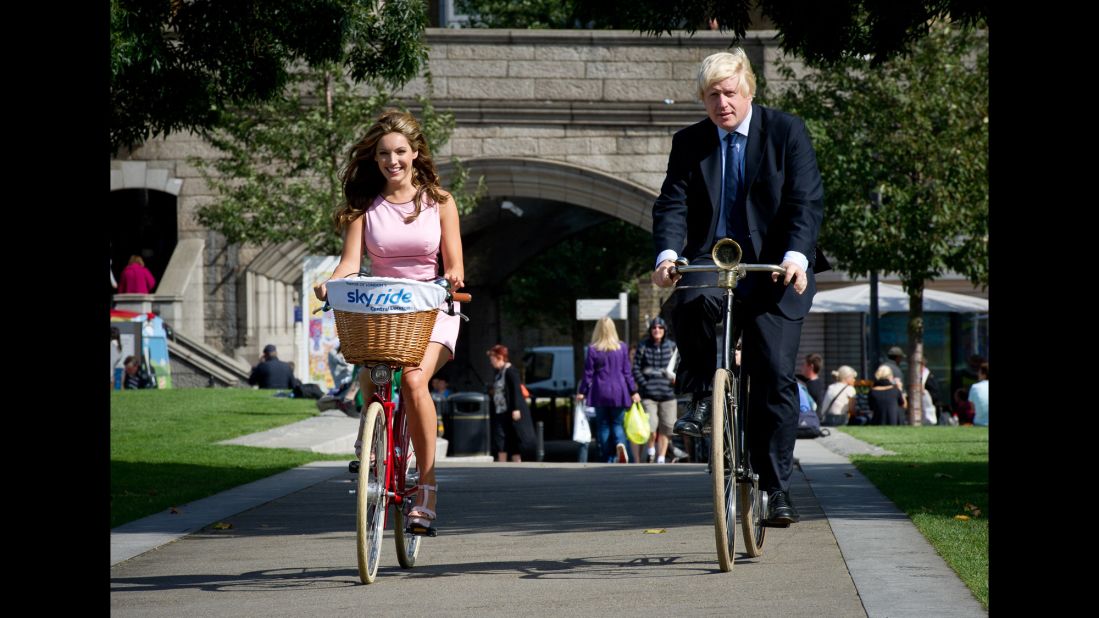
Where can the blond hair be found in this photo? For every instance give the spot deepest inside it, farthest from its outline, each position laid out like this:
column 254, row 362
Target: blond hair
column 605, row 336
column 884, row 373
column 844, row 372
column 723, row 65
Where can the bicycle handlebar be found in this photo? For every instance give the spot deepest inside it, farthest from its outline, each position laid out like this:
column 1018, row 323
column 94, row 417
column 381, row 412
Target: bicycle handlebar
column 714, row 268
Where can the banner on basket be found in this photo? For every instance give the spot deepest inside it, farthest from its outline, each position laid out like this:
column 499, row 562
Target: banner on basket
column 376, row 295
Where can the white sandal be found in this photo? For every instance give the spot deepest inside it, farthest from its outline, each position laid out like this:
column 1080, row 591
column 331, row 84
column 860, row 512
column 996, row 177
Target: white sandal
column 420, row 517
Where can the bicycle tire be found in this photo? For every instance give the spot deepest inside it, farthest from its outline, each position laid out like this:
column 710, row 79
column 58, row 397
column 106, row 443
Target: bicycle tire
column 751, row 505
column 408, row 545
column 723, row 473
column 371, row 499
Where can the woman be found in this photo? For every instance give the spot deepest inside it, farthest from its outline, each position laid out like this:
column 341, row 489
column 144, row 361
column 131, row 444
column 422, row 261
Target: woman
column 135, row 278
column 650, row 365
column 886, row 400
column 840, row 398
column 512, row 428
column 395, row 210
column 609, row 387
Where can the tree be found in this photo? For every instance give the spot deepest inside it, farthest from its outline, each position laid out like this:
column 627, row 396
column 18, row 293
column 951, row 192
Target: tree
column 915, row 130
column 179, row 65
column 819, row 32
column 279, row 177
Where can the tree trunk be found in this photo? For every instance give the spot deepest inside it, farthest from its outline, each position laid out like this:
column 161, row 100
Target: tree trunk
column 914, row 380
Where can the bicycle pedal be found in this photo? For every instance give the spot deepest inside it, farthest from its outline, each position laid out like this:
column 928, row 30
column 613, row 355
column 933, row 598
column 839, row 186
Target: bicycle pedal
column 431, row 532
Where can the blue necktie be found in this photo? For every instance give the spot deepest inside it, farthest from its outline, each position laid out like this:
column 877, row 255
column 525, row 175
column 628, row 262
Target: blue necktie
column 736, row 223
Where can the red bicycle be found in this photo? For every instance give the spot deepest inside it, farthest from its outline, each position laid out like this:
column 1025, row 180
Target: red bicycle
column 383, row 344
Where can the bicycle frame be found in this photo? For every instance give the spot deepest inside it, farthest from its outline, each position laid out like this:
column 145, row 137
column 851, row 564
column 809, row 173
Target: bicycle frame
column 396, row 428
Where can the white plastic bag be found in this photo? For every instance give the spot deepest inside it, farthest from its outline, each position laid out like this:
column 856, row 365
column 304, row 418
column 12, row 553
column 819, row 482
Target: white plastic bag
column 581, row 430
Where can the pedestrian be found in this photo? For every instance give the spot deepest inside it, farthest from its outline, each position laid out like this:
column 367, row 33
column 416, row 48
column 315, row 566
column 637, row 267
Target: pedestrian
column 886, row 399
column 511, row 424
column 650, row 373
column 270, row 372
column 840, row 398
column 135, row 278
column 746, row 172
column 136, row 373
column 608, row 386
column 396, row 212
column 812, row 367
column 116, row 358
column 978, row 396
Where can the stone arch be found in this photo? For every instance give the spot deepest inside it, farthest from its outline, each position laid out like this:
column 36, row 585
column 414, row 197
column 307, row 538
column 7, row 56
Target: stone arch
column 144, row 205
column 558, row 200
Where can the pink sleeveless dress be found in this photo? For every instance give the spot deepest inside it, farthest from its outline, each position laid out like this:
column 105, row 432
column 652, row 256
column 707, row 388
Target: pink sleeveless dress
column 409, row 251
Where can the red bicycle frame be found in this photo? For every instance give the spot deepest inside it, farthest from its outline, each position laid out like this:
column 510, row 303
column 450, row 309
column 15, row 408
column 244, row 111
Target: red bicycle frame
column 396, row 455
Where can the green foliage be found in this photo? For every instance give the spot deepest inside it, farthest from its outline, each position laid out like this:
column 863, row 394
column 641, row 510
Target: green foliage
column 939, row 478
column 179, row 65
column 599, row 262
column 164, row 449
column 279, row 178
column 915, row 128
column 820, row 32
column 534, row 14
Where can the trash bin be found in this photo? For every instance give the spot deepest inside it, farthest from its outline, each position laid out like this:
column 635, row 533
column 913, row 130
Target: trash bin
column 469, row 431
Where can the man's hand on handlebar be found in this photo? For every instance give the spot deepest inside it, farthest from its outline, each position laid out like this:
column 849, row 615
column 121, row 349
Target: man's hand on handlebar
column 321, row 290
column 663, row 276
column 793, row 273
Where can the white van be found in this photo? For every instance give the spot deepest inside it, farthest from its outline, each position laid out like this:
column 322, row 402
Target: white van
column 548, row 371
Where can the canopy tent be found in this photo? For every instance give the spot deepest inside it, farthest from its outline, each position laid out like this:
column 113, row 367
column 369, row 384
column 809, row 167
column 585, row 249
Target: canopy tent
column 856, row 299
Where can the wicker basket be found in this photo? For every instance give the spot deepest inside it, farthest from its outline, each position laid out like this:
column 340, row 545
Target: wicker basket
column 396, row 338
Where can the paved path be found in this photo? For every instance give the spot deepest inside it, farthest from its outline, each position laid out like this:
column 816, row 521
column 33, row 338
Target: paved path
column 538, row 539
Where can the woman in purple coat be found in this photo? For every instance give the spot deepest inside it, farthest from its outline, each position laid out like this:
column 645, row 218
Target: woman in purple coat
column 609, row 387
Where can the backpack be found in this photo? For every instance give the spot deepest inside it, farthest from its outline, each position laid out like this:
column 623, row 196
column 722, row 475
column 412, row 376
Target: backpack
column 307, row 391
column 808, row 421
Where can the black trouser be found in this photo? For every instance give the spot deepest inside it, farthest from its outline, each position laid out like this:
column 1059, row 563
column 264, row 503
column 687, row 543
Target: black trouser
column 769, row 356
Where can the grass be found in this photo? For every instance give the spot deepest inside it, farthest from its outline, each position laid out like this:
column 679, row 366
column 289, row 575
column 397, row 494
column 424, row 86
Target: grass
column 164, row 449
column 937, row 475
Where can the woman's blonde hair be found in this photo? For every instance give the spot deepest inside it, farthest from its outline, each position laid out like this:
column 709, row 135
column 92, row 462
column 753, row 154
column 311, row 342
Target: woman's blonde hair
column 844, row 372
column 363, row 181
column 605, row 336
column 884, row 373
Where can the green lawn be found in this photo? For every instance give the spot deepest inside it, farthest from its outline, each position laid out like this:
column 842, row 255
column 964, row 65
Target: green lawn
column 937, row 475
column 164, row 449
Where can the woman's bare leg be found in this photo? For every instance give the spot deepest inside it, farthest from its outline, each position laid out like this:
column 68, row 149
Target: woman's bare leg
column 422, row 420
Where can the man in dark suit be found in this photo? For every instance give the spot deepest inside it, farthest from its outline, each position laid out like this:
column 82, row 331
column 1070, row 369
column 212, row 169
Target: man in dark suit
column 748, row 173
column 271, row 372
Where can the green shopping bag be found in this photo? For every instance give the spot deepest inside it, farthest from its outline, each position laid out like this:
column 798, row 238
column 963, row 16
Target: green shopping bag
column 637, row 424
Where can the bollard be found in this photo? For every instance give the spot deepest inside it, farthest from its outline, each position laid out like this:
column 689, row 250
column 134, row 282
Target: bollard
column 541, row 443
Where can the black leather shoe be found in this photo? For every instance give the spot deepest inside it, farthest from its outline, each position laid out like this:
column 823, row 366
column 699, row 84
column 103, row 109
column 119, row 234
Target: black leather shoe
column 696, row 417
column 782, row 511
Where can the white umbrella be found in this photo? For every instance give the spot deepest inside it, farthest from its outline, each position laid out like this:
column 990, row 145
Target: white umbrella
column 856, row 299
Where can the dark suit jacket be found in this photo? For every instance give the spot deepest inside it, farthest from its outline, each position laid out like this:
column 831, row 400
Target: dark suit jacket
column 272, row 373
column 785, row 198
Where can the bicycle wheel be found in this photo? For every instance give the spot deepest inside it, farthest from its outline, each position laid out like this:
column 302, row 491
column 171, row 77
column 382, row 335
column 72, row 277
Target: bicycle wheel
column 751, row 503
column 408, row 545
column 371, row 497
column 723, row 474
